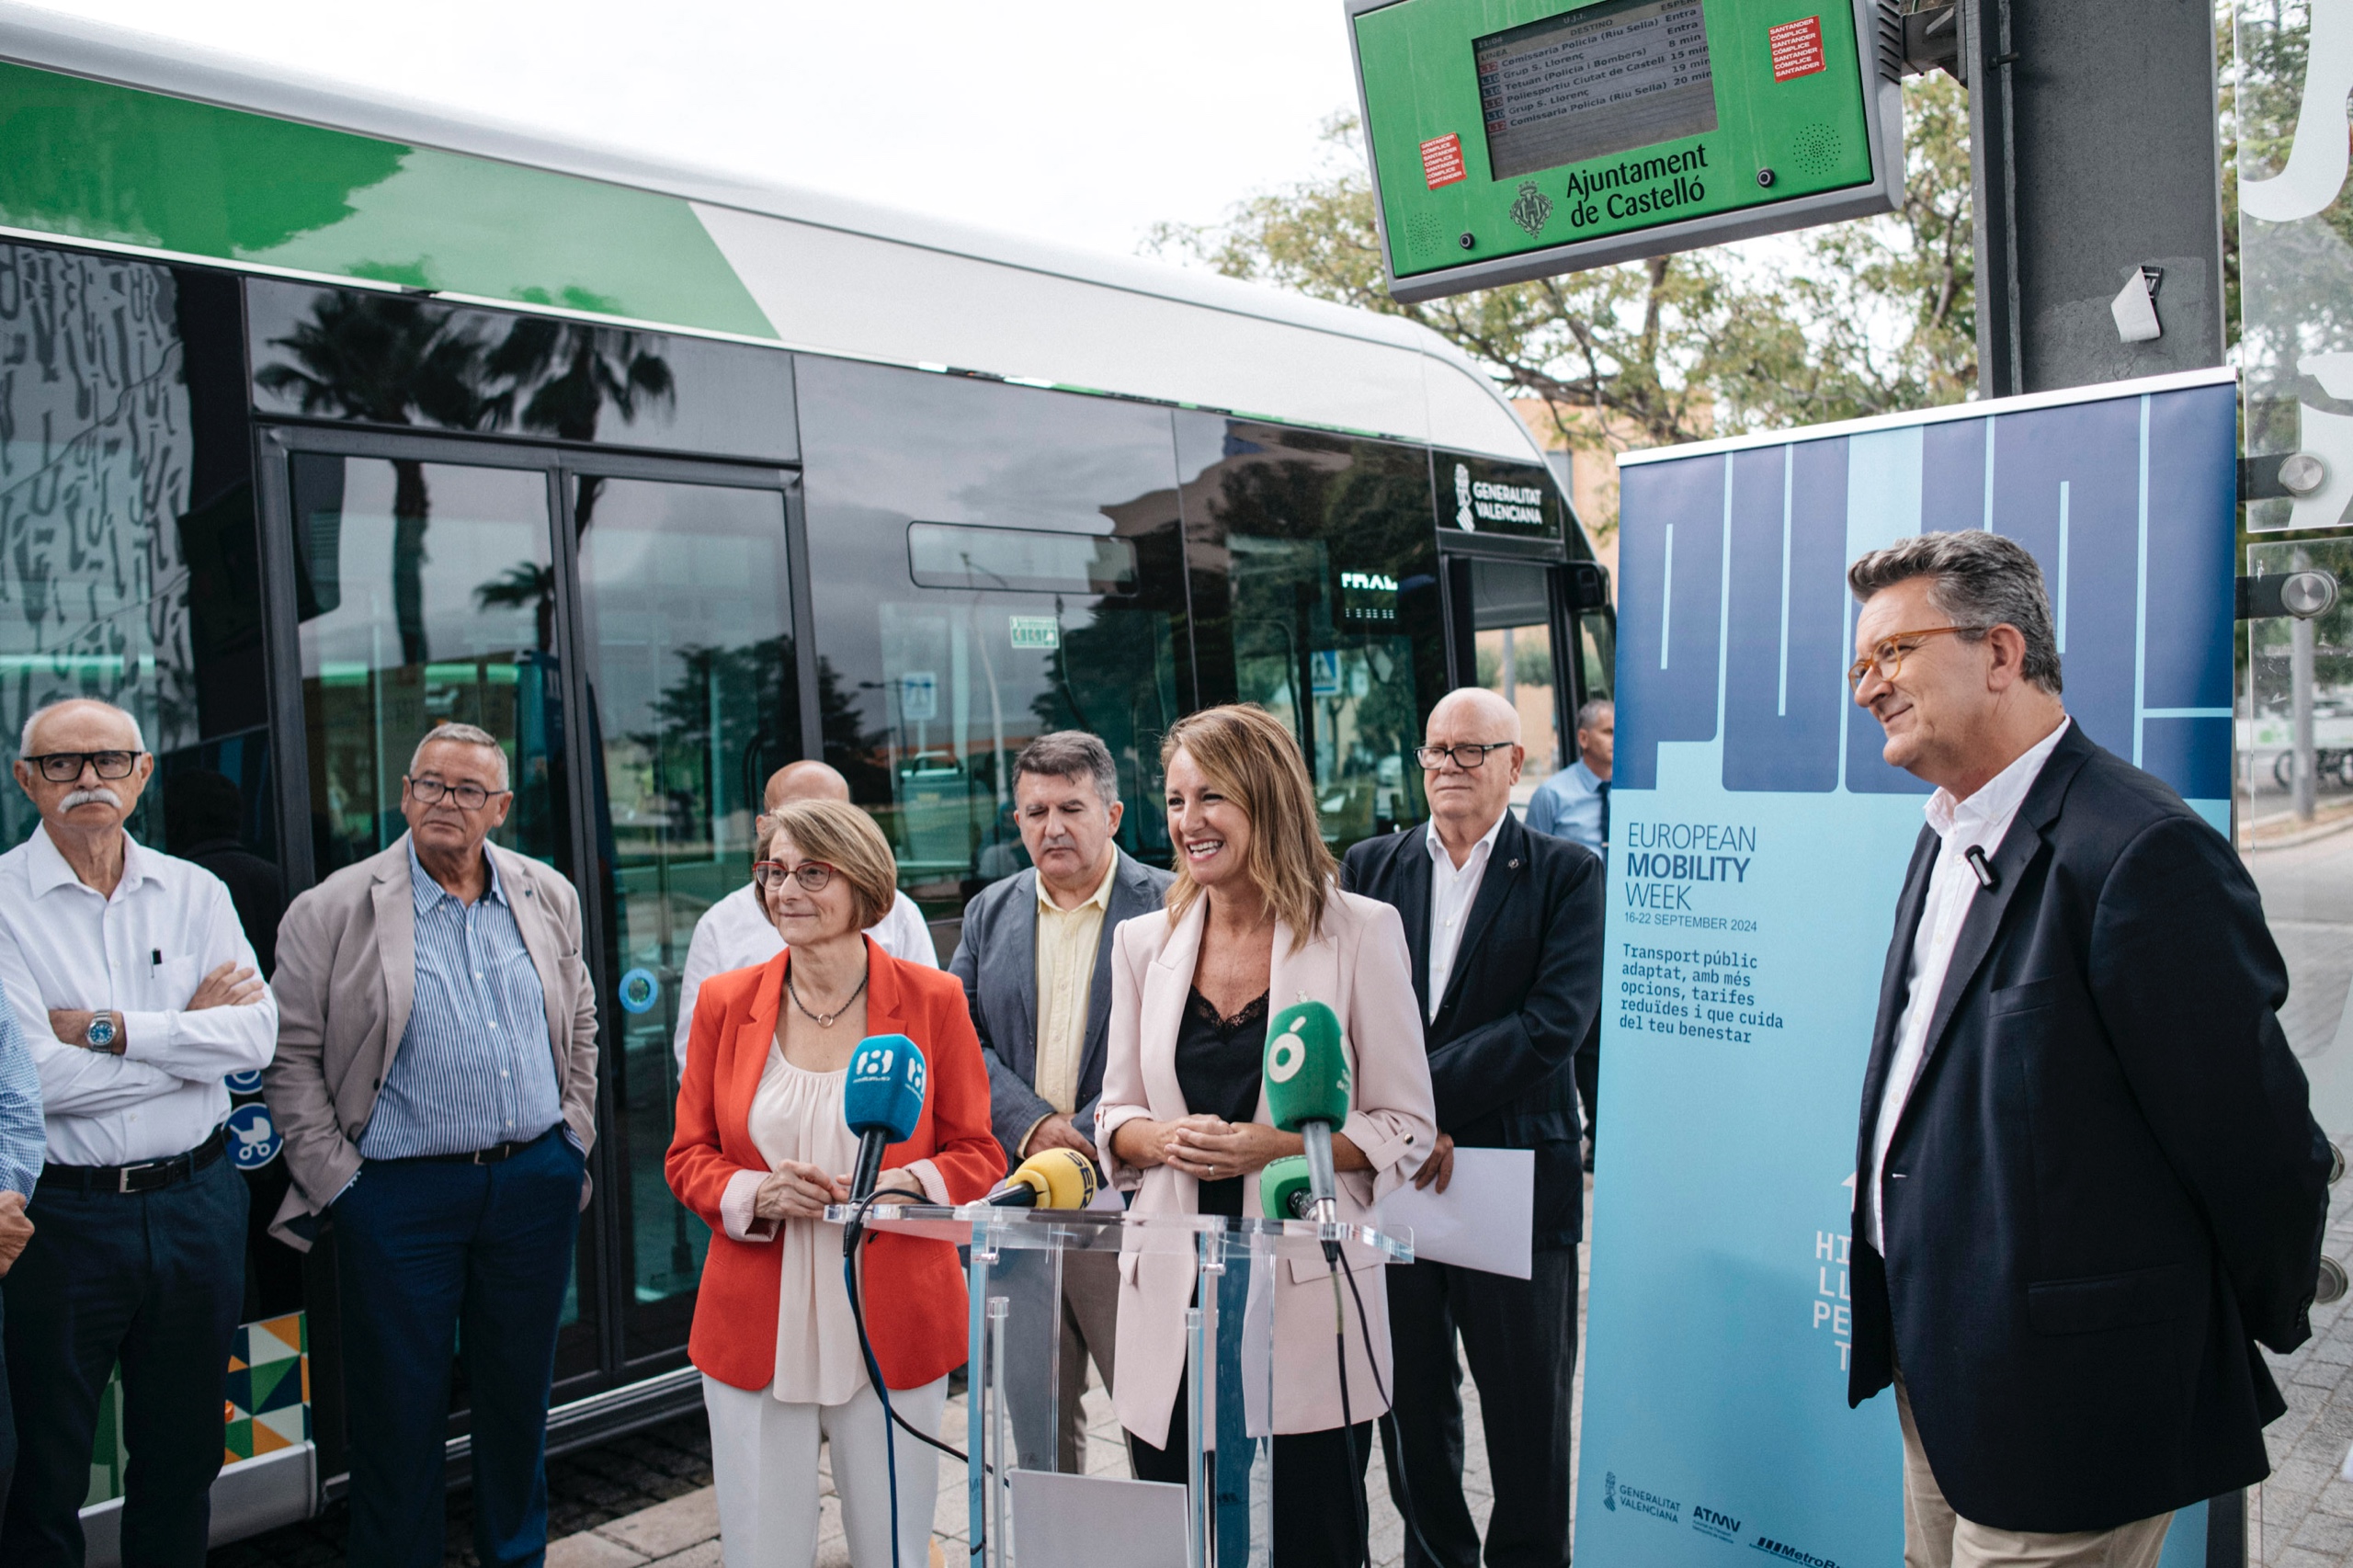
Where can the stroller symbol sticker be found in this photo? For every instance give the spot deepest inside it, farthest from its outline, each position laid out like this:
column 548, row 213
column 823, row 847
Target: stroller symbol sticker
column 253, row 1137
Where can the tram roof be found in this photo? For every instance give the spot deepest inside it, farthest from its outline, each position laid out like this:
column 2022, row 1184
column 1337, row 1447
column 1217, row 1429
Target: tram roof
column 801, row 268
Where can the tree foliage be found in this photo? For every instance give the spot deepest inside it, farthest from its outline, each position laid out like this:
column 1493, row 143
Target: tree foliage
column 1858, row 318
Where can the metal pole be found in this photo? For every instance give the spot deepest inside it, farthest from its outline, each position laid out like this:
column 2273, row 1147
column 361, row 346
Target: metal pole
column 976, row 1431
column 1197, row 1486
column 2299, row 699
column 2092, row 125
column 1000, row 1432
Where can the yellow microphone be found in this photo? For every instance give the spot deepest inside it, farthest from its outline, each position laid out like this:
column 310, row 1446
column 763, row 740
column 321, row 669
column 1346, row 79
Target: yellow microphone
column 1052, row 1178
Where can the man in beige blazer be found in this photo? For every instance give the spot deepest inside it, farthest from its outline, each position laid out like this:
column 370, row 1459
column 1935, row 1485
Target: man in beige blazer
column 436, row 1081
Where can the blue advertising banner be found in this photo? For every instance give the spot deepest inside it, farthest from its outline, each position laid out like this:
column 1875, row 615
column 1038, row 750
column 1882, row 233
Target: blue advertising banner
column 1758, row 842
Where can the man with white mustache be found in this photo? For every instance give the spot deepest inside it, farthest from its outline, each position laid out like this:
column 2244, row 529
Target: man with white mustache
column 137, row 994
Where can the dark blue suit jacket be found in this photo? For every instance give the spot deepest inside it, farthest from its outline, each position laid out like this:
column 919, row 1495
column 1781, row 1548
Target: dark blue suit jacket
column 1527, row 982
column 2106, row 1184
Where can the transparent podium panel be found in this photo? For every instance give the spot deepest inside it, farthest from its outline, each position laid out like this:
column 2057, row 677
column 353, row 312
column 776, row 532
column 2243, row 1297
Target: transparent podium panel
column 1026, row 1509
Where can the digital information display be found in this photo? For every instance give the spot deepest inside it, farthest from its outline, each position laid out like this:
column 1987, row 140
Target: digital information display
column 1602, row 80
column 1517, row 138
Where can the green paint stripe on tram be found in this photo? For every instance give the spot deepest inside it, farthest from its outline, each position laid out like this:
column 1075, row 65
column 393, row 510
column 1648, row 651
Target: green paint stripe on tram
column 90, row 160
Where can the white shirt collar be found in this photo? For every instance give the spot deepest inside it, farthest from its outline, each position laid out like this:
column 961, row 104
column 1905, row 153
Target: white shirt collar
column 1479, row 851
column 1998, row 799
column 47, row 868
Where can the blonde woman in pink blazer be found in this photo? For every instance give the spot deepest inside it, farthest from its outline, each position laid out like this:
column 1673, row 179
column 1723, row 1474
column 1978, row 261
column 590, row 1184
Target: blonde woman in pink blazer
column 1255, row 921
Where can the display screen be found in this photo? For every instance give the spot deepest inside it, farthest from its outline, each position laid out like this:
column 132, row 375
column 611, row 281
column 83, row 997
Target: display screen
column 1621, row 74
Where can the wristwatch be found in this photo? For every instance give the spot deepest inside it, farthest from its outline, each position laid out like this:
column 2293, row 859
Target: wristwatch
column 102, row 1033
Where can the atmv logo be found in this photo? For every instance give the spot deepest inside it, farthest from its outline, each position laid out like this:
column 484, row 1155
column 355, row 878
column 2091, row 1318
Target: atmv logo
column 1708, row 1521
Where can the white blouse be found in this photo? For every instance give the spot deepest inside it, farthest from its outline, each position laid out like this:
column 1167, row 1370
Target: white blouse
column 796, row 1115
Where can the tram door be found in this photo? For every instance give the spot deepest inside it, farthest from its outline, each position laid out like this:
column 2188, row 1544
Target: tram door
column 624, row 627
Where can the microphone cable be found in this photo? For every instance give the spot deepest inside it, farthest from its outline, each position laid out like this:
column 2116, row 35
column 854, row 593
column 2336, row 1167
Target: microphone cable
column 1389, row 1428
column 852, row 1281
column 1348, row 1420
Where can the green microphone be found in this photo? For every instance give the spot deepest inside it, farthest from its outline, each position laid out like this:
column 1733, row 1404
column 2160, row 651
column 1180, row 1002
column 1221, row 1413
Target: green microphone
column 1307, row 1092
column 1283, row 1190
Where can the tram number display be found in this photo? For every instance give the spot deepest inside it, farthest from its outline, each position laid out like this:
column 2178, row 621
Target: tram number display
column 1614, row 77
column 1368, row 596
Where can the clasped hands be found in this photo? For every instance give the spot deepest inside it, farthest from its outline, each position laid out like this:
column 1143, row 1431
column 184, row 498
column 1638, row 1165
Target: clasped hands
column 797, row 1190
column 1206, row 1148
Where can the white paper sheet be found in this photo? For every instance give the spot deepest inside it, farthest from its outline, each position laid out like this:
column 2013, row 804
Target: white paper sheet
column 1483, row 1218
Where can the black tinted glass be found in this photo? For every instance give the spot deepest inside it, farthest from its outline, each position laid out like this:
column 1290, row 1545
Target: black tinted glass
column 381, row 358
column 1315, row 593
column 989, row 563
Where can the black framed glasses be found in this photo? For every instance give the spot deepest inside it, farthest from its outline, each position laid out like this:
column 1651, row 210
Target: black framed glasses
column 64, row 766
column 1466, row 756
column 812, row 875
column 469, row 797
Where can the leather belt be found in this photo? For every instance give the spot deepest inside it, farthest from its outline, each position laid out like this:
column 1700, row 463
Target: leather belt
column 148, row 1175
column 495, row 1155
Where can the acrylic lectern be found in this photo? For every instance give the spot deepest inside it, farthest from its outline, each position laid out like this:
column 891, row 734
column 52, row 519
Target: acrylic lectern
column 1022, row 1514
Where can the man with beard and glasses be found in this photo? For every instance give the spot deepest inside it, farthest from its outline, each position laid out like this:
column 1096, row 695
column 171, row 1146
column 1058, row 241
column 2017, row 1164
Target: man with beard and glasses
column 137, row 994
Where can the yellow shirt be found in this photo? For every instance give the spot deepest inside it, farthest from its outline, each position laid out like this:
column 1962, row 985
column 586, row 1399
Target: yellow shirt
column 1066, row 943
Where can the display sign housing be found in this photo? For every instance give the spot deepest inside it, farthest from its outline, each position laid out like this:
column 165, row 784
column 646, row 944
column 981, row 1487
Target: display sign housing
column 1517, row 139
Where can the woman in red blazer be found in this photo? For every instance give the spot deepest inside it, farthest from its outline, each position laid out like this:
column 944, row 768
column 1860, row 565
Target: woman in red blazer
column 761, row 1149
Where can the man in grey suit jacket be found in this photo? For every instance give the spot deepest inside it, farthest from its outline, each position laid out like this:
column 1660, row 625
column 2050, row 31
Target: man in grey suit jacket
column 1035, row 960
column 435, row 1081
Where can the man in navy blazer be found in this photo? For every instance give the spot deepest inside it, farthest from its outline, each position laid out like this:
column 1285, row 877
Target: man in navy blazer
column 1505, row 926
column 2088, row 1178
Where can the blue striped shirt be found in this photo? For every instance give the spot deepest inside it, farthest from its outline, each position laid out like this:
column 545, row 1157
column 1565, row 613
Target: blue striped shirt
column 474, row 1067
column 23, row 1141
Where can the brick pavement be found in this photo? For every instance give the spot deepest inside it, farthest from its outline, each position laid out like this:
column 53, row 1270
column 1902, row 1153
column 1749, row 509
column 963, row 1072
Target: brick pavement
column 2303, row 1516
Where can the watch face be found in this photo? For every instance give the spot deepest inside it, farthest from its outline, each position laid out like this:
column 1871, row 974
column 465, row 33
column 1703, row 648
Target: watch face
column 101, row 1033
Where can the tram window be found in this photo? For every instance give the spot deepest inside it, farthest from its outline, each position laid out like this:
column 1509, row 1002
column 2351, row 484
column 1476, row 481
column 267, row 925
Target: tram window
column 1315, row 588
column 988, row 562
column 129, row 572
column 460, row 368
column 686, row 599
column 427, row 596
column 1512, row 626
column 1597, row 646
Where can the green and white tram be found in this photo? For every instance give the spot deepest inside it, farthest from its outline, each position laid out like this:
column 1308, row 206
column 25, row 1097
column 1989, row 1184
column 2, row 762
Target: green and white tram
column 323, row 419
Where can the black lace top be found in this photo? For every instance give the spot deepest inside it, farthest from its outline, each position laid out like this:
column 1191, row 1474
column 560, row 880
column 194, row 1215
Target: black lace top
column 1218, row 1065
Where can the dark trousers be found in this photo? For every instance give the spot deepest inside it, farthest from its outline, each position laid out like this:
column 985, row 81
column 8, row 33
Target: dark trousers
column 431, row 1256
column 7, row 1419
column 1520, row 1337
column 1585, row 1066
column 154, row 1281
column 1318, row 1490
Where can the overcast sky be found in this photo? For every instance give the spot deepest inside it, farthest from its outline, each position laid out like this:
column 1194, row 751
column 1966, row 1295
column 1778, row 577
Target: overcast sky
column 1077, row 120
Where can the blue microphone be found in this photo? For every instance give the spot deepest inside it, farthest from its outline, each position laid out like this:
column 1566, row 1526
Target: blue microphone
column 882, row 1102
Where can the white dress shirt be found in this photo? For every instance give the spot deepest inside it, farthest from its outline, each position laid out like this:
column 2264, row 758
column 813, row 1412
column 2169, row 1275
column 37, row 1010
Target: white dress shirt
column 1983, row 820
column 1453, row 890
column 141, row 953
column 736, row 933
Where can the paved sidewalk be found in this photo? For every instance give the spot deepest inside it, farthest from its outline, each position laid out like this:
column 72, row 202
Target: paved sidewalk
column 2303, row 1516
column 684, row 1531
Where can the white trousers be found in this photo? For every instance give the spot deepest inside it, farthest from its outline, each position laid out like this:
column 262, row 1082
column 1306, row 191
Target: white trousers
column 763, row 1459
